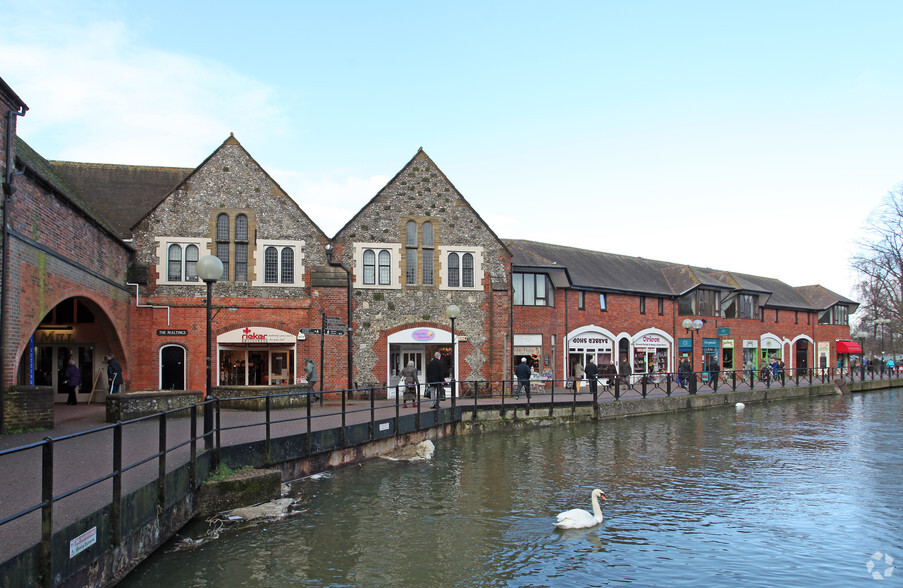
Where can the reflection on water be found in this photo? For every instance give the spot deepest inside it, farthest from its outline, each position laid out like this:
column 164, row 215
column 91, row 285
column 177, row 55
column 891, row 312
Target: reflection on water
column 783, row 493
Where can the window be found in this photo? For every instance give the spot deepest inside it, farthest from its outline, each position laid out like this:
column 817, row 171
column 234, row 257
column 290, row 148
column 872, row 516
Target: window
column 369, row 267
column 222, row 227
column 796, row 317
column 581, row 300
column 532, row 290
column 175, row 263
column 836, row 315
column 642, row 305
column 411, row 267
column 427, row 229
column 288, row 266
column 602, row 302
column 661, row 306
column 748, row 306
column 241, row 227
column 241, row 262
column 410, row 232
column 454, row 268
column 700, row 302
column 775, row 315
column 191, row 263
column 426, row 253
column 278, row 265
column 467, row 271
column 385, row 259
column 270, row 265
column 222, row 242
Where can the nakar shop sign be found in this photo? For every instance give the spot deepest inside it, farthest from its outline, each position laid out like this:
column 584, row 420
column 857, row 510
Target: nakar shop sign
column 256, row 335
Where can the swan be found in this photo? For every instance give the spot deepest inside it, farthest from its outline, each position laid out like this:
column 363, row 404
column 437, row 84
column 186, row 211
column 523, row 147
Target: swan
column 577, row 518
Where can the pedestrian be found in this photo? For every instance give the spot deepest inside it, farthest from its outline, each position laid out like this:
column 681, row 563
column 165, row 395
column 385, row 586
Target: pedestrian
column 114, row 373
column 577, row 372
column 714, row 371
column 523, row 373
column 683, row 373
column 411, row 384
column 435, row 378
column 625, row 371
column 592, row 372
column 72, row 379
column 310, row 374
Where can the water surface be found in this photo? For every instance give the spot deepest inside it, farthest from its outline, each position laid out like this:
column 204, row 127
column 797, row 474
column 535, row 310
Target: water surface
column 799, row 492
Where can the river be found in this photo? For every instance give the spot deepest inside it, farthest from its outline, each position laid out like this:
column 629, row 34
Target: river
column 800, row 492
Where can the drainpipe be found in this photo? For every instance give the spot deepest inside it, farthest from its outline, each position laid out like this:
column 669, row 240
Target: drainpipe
column 348, row 299
column 8, row 191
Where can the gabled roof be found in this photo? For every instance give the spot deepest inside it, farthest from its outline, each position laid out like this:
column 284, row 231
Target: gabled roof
column 230, row 141
column 11, row 97
column 822, row 298
column 123, row 194
column 421, row 155
column 47, row 174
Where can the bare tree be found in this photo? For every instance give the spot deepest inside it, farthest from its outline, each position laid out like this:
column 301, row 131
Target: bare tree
column 879, row 263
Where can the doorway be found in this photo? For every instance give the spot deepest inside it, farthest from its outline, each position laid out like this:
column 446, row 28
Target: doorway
column 172, row 367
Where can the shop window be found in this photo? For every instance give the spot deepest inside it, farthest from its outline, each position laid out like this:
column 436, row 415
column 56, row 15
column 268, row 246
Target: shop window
column 532, row 290
column 603, row 304
column 642, row 305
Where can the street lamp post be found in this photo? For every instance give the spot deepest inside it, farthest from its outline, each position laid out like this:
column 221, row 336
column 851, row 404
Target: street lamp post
column 692, row 327
column 452, row 311
column 883, row 322
column 209, row 269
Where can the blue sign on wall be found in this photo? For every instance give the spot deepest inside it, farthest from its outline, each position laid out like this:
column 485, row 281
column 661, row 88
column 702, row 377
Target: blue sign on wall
column 684, row 343
column 724, row 331
column 710, row 342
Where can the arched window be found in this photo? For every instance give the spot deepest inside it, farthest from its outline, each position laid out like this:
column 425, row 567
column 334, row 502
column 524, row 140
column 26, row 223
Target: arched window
column 288, row 265
column 370, row 266
column 174, row 274
column 222, row 227
column 191, row 263
column 467, row 270
column 385, row 260
column 271, row 265
column 241, row 227
column 427, row 234
column 410, row 233
column 453, row 271
column 222, row 242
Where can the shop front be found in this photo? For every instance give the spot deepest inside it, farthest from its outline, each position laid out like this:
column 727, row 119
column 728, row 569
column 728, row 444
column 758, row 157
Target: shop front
column 710, row 353
column 727, row 355
column 590, row 343
column 652, row 353
column 847, row 352
column 750, row 358
column 256, row 356
column 417, row 345
column 771, row 349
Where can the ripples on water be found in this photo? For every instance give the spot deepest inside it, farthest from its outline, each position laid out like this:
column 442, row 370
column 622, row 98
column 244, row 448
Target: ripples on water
column 785, row 493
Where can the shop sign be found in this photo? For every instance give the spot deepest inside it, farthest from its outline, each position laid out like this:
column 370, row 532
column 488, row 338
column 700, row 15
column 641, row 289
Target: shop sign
column 594, row 339
column 727, row 344
column 709, row 342
column 54, row 336
column 771, row 343
column 724, row 331
column 423, row 335
column 651, row 341
column 264, row 335
column 685, row 342
column 750, row 344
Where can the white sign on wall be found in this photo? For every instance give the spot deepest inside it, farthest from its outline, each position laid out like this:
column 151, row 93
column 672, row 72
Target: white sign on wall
column 257, row 335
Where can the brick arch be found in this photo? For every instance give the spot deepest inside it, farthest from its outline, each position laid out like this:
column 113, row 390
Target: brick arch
column 105, row 315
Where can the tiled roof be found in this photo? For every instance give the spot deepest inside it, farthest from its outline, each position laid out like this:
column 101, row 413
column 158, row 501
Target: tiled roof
column 123, row 194
column 47, row 173
column 621, row 273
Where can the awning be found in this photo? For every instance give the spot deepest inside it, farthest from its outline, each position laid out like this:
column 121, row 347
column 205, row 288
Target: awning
column 848, row 347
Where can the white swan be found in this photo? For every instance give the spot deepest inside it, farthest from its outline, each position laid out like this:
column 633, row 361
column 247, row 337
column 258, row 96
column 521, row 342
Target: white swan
column 577, row 518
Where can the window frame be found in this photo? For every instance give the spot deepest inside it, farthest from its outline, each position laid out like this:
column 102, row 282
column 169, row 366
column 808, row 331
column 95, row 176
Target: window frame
column 530, row 291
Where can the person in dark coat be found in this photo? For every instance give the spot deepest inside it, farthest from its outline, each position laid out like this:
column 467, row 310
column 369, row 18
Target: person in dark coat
column 435, row 378
column 523, row 372
column 411, row 384
column 114, row 373
column 310, row 374
column 591, row 370
column 72, row 380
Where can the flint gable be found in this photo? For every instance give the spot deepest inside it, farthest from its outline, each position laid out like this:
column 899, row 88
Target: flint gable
column 229, row 207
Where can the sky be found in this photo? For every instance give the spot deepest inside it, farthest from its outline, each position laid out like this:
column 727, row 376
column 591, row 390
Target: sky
column 749, row 137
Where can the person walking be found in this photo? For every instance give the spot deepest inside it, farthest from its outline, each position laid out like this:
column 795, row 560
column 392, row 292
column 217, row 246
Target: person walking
column 435, row 378
column 114, row 373
column 72, row 379
column 310, row 374
column 592, row 372
column 577, row 372
column 411, row 384
column 523, row 372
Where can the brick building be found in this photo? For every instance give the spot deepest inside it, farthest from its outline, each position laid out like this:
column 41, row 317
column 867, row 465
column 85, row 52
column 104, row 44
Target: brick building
column 101, row 257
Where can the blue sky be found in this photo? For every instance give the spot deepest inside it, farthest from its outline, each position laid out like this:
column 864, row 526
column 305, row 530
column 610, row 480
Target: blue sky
column 751, row 137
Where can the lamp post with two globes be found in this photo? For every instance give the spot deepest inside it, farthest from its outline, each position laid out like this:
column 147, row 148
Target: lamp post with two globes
column 452, row 311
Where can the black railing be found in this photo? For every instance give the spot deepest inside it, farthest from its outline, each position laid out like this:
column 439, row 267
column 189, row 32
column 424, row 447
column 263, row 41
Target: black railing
column 177, row 438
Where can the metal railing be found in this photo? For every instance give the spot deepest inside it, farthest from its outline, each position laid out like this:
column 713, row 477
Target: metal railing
column 170, row 439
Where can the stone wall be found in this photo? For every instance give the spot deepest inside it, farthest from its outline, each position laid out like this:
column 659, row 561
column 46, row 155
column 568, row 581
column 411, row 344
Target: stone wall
column 133, row 405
